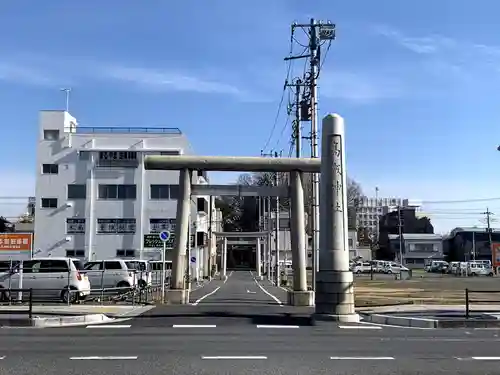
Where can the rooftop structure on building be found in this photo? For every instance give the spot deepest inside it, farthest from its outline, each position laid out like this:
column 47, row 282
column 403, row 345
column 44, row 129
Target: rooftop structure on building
column 94, row 198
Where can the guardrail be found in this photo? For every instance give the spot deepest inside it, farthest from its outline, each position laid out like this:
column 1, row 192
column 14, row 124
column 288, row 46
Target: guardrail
column 469, row 301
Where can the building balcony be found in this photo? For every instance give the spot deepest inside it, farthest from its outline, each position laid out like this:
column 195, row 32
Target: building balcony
column 126, row 130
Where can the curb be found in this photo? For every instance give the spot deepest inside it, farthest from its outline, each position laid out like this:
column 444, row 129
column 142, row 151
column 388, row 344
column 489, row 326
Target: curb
column 60, row 321
column 413, row 322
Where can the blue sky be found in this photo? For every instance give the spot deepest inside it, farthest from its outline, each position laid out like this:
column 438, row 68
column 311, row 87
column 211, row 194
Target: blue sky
column 416, row 82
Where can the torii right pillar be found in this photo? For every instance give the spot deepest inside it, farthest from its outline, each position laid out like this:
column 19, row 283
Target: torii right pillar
column 334, row 297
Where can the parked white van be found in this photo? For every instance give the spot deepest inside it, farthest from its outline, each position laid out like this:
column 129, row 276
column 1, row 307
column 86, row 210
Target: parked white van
column 49, row 278
column 110, row 274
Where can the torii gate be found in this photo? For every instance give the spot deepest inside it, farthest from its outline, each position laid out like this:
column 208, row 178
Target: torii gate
column 334, row 296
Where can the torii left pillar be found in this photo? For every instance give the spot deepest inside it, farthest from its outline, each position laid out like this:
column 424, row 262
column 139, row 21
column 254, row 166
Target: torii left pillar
column 178, row 294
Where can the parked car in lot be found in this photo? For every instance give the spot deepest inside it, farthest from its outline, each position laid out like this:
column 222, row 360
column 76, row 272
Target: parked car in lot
column 143, row 272
column 111, row 274
column 437, row 266
column 393, row 267
column 49, row 278
column 479, row 269
column 364, row 267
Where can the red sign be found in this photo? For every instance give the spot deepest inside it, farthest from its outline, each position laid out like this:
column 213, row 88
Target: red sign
column 16, row 241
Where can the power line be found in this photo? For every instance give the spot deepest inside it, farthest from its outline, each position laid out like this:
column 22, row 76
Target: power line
column 472, row 200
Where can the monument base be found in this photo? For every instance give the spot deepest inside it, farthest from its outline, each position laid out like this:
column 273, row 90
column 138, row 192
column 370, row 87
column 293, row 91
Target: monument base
column 177, row 297
column 300, row 298
column 335, row 296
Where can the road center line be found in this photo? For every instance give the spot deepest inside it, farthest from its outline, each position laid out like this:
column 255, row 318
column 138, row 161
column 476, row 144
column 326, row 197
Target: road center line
column 360, row 327
column 275, row 326
column 235, row 357
column 361, row 358
column 276, row 299
column 194, row 326
column 103, row 358
column 205, row 296
column 486, row 358
column 110, row 326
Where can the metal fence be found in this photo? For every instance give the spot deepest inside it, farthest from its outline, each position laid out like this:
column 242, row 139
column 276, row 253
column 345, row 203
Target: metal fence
column 81, row 286
column 478, row 301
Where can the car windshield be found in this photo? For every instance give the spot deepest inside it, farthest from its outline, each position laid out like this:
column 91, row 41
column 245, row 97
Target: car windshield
column 79, row 265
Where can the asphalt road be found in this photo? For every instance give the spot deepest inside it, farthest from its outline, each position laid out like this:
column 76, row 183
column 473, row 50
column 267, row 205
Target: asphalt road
column 261, row 340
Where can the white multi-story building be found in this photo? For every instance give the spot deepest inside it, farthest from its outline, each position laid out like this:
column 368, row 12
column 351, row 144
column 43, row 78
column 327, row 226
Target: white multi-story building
column 369, row 210
column 95, row 200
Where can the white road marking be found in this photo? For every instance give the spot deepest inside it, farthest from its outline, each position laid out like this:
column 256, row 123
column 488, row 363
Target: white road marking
column 205, row 296
column 3, row 357
column 393, row 326
column 362, row 358
column 103, row 358
column 486, row 358
column 110, row 326
column 235, row 357
column 275, row 326
column 249, row 292
column 360, row 327
column 194, row 326
column 276, row 299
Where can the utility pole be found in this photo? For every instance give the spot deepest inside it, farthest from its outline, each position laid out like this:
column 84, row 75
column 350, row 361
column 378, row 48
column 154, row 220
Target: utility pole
column 277, row 227
column 318, row 33
column 488, row 214
column 267, row 225
column 400, row 235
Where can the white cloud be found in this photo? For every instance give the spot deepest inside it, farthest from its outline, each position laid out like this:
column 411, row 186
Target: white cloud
column 165, row 80
column 360, row 87
column 16, row 72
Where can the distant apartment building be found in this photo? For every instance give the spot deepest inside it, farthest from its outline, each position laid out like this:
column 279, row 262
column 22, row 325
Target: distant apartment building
column 94, row 198
column 370, row 210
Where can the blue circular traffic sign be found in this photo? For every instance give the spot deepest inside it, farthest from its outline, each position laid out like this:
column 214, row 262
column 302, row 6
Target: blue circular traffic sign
column 164, row 235
column 193, row 259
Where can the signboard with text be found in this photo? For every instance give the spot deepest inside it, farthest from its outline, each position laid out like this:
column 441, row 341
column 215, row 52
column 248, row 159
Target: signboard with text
column 16, row 246
column 495, row 254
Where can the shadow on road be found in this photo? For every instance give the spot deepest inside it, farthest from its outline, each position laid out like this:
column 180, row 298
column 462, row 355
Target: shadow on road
column 249, row 318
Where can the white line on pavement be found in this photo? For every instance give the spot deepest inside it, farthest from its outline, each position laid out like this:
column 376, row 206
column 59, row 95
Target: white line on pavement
column 276, row 299
column 194, row 326
column 205, row 296
column 235, row 357
column 102, row 358
column 362, row 358
column 110, row 326
column 3, row 357
column 275, row 326
column 486, row 358
column 360, row 327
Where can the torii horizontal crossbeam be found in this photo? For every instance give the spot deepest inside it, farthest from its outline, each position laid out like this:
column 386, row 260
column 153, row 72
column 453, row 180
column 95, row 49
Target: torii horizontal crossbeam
column 231, row 163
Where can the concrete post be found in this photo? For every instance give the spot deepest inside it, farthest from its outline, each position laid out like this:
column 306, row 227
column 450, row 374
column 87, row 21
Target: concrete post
column 300, row 296
column 223, row 270
column 177, row 294
column 206, row 261
column 269, row 256
column 258, row 259
column 334, row 289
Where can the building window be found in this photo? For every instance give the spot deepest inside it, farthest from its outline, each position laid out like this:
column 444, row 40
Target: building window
column 50, row 169
column 120, row 192
column 50, row 135
column 77, row 191
column 75, row 226
column 75, row 253
column 158, row 225
column 164, row 192
column 121, row 253
column 84, row 155
column 49, row 202
column 351, row 243
column 116, row 226
column 170, row 152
